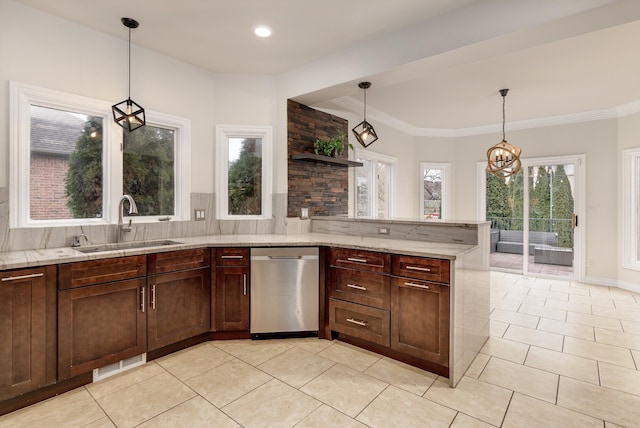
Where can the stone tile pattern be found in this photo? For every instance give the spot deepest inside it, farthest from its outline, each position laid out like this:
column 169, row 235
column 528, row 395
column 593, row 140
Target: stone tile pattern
column 575, row 370
column 321, row 187
column 57, row 237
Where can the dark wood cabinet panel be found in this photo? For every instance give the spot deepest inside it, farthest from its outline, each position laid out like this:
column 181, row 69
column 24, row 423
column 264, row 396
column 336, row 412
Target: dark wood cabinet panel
column 81, row 274
column 232, row 256
column 360, row 259
column 356, row 286
column 421, row 268
column 174, row 261
column 420, row 319
column 232, row 298
column 100, row 325
column 360, row 321
column 178, row 306
column 27, row 330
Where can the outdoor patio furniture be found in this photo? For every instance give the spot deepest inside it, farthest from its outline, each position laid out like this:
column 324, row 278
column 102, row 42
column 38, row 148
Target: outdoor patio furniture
column 510, row 241
column 554, row 256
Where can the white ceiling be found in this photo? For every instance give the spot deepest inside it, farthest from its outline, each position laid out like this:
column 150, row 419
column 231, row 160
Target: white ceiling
column 569, row 57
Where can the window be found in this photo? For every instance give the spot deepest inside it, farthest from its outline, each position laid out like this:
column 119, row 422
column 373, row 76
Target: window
column 631, row 209
column 375, row 185
column 434, row 190
column 244, row 172
column 67, row 168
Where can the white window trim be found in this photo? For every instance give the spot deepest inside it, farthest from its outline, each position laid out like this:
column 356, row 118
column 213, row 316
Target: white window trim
column 22, row 96
column 360, row 153
column 182, row 169
column 630, row 174
column 223, row 133
column 445, row 197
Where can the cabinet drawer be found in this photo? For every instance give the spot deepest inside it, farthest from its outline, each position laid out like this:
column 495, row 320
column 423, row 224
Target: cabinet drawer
column 74, row 275
column 356, row 286
column 360, row 321
column 422, row 268
column 357, row 259
column 233, row 256
column 174, row 261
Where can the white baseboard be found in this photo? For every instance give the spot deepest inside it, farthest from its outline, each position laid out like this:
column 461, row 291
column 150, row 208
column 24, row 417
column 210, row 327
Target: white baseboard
column 629, row 286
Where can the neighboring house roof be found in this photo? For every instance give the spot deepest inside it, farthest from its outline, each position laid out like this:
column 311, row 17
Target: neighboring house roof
column 54, row 131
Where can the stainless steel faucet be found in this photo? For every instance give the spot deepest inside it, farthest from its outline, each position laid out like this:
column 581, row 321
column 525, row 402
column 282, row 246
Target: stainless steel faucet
column 133, row 209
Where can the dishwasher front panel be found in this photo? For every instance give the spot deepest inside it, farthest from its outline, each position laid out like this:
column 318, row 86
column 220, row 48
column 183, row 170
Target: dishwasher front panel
column 284, row 290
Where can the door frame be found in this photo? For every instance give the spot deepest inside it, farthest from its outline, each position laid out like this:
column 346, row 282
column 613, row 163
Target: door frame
column 579, row 241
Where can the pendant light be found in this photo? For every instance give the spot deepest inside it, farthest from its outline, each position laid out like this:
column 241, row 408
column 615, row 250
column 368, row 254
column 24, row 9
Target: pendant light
column 364, row 132
column 128, row 113
column 503, row 159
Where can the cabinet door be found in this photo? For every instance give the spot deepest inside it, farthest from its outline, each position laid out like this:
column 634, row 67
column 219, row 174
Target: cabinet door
column 232, row 298
column 420, row 319
column 100, row 325
column 27, row 330
column 179, row 306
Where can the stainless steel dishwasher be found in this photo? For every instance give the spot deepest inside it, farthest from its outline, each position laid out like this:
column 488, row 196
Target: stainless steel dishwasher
column 284, row 292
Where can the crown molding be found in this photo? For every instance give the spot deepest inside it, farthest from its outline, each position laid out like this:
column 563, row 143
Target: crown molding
column 355, row 106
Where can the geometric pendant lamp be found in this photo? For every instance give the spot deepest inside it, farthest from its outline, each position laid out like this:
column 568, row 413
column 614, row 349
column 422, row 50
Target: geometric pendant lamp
column 128, row 113
column 364, row 132
column 503, row 159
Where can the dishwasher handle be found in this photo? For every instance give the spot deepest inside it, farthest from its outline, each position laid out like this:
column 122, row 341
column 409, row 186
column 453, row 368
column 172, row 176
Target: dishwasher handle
column 285, row 257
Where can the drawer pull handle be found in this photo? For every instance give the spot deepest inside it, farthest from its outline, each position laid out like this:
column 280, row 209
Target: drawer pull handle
column 358, row 322
column 153, row 296
column 244, row 284
column 411, row 284
column 16, row 278
column 353, row 259
column 357, row 287
column 232, row 257
column 421, row 269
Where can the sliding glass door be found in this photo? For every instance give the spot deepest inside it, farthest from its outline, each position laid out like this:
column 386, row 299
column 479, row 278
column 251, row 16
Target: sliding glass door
column 534, row 220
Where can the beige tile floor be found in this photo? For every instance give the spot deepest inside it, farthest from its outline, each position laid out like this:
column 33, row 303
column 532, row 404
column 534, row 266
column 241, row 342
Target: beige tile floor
column 561, row 354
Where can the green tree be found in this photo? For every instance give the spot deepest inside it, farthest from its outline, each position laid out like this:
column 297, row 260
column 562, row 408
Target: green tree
column 515, row 191
column 83, row 185
column 497, row 204
column 245, row 180
column 148, row 169
column 539, row 200
column 562, row 207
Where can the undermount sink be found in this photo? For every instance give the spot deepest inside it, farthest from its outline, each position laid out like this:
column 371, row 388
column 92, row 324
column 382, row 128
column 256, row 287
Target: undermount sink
column 125, row 246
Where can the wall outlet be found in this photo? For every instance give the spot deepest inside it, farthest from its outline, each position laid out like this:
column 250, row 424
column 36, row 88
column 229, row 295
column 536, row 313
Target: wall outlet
column 383, row 230
column 199, row 215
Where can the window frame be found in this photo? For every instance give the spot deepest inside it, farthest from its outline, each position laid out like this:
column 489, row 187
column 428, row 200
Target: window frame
column 630, row 207
column 223, row 133
column 22, row 96
column 392, row 162
column 445, row 197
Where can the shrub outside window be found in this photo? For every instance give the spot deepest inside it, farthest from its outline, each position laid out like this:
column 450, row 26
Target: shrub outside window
column 244, row 172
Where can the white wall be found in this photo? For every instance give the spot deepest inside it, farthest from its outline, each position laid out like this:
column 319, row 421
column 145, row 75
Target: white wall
column 628, row 137
column 598, row 141
column 42, row 50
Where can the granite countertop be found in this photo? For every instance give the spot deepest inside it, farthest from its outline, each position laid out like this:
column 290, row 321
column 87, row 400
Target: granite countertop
column 48, row 256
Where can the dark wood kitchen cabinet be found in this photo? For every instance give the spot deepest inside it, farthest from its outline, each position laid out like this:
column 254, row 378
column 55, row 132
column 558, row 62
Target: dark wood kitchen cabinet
column 27, row 330
column 359, row 296
column 179, row 298
column 101, row 313
column 420, row 308
column 231, row 284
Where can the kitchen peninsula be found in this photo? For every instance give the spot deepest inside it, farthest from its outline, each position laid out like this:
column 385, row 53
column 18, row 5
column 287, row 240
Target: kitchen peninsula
column 437, row 256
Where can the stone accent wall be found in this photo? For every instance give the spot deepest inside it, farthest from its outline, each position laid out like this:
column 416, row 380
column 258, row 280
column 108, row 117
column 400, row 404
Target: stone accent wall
column 321, row 187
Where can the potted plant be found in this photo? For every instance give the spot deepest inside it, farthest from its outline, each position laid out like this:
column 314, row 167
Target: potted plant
column 332, row 147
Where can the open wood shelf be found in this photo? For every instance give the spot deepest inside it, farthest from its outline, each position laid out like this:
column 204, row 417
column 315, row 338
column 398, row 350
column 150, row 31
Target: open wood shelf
column 312, row 157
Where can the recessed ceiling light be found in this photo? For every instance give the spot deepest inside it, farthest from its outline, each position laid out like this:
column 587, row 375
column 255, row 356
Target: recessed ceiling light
column 262, row 31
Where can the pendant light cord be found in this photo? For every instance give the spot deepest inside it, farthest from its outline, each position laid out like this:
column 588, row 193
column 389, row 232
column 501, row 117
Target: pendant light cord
column 365, row 105
column 504, row 138
column 129, row 62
